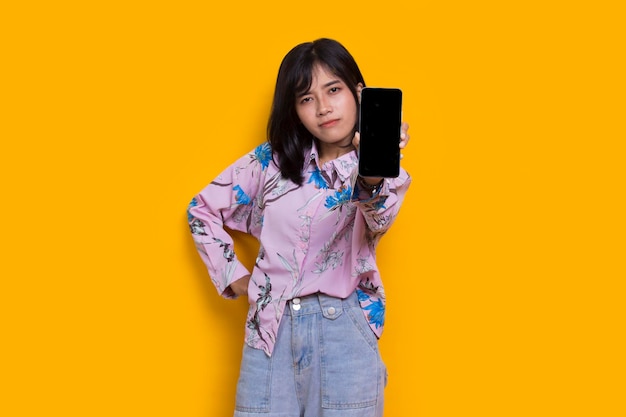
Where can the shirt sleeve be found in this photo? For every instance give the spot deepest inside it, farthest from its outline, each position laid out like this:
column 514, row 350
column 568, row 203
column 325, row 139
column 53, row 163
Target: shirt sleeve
column 227, row 203
column 380, row 207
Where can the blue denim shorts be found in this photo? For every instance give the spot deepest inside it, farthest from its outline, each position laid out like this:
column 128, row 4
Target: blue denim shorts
column 325, row 363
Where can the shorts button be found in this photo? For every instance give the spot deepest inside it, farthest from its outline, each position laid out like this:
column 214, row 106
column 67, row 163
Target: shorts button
column 331, row 311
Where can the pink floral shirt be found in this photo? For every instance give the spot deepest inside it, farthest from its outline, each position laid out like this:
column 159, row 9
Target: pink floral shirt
column 319, row 237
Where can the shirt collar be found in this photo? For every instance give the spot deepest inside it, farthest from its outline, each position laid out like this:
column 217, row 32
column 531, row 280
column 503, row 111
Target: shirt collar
column 343, row 166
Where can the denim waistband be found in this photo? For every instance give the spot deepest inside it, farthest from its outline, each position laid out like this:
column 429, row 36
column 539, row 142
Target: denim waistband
column 318, row 302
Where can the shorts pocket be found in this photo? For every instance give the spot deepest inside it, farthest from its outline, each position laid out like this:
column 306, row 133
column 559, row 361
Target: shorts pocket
column 253, row 386
column 352, row 370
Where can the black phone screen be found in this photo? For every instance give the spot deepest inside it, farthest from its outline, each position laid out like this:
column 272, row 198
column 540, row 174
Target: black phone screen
column 380, row 117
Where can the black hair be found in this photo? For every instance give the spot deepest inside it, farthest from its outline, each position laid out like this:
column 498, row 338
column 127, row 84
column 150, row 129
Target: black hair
column 286, row 134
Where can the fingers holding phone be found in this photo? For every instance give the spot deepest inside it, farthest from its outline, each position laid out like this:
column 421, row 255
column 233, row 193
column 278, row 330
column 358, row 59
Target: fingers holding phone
column 404, row 135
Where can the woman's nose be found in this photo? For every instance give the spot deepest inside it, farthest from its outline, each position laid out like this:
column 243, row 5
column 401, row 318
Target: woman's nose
column 323, row 107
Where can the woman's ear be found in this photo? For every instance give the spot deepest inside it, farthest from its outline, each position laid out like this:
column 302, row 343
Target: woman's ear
column 359, row 87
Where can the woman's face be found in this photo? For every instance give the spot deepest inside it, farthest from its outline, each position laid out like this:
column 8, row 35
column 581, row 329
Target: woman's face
column 328, row 110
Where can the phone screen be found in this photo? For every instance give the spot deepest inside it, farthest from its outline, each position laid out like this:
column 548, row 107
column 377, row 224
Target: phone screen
column 380, row 117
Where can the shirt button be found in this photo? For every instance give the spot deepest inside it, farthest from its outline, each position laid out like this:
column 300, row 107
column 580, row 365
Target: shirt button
column 331, row 311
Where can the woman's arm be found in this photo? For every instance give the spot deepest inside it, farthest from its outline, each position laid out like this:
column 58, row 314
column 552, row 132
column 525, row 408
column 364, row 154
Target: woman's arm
column 227, row 202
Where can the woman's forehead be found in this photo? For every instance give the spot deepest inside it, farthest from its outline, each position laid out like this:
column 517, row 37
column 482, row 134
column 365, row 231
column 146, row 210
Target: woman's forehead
column 318, row 71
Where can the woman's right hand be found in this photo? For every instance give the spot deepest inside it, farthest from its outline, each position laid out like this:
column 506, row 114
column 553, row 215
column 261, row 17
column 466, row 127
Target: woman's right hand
column 240, row 287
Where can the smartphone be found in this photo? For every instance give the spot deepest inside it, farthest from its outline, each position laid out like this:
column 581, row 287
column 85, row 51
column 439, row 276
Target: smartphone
column 380, row 118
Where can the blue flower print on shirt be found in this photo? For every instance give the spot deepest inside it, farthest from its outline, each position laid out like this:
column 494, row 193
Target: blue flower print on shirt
column 317, row 179
column 241, row 197
column 376, row 315
column 193, row 203
column 263, row 154
column 341, row 196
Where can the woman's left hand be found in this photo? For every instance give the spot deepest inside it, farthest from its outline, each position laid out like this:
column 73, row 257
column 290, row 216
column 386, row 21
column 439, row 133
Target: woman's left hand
column 404, row 135
column 404, row 140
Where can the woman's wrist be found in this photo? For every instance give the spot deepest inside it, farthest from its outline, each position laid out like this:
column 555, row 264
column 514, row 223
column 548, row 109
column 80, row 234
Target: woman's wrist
column 370, row 185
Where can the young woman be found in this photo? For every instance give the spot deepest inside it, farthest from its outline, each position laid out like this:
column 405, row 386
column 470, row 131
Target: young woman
column 317, row 304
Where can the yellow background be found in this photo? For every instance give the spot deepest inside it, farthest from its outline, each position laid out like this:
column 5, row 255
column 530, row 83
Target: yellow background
column 504, row 272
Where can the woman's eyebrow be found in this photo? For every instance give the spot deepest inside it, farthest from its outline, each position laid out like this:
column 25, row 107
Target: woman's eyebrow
column 328, row 84
column 333, row 82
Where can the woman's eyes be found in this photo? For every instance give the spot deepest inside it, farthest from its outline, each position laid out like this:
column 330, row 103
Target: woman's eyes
column 331, row 90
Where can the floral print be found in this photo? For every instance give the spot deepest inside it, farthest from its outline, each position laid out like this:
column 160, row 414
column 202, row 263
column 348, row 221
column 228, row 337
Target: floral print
column 263, row 155
column 241, row 197
column 339, row 198
column 317, row 237
column 317, row 178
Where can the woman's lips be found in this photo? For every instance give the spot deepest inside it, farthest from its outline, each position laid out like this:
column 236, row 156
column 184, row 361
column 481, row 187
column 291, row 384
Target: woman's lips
column 330, row 123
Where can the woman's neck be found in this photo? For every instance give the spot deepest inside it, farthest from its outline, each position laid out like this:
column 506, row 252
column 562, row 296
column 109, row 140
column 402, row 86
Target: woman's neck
column 329, row 152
